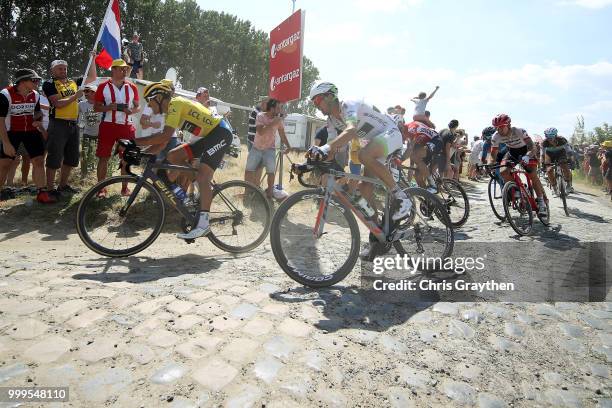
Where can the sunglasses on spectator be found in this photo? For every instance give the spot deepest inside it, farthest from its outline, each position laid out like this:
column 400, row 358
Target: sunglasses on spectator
column 317, row 99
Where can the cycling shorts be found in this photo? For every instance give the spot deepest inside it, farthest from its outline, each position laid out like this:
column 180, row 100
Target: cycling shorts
column 556, row 156
column 516, row 155
column 391, row 140
column 210, row 148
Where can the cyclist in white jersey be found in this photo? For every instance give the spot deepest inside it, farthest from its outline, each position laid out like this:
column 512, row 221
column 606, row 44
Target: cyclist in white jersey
column 358, row 120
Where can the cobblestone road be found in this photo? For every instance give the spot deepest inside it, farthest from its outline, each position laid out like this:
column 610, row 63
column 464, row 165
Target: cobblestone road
column 189, row 326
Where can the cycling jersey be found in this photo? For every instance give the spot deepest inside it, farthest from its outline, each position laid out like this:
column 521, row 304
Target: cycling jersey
column 19, row 110
column 560, row 145
column 516, row 139
column 368, row 123
column 420, row 133
column 190, row 116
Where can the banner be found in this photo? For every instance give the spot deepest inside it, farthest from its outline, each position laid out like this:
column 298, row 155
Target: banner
column 286, row 50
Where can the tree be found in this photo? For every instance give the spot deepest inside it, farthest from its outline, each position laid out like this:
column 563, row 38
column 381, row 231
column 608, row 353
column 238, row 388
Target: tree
column 601, row 133
column 579, row 136
column 217, row 50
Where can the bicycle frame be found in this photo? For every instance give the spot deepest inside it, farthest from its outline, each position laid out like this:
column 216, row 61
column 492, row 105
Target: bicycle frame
column 150, row 174
column 333, row 188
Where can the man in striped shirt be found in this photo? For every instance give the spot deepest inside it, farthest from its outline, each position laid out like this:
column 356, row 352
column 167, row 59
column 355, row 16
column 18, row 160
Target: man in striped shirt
column 118, row 100
column 252, row 130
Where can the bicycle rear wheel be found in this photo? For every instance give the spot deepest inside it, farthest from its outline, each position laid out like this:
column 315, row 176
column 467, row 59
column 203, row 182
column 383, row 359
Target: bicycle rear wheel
column 428, row 230
column 110, row 228
column 495, row 199
column 456, row 201
column 563, row 193
column 314, row 261
column 239, row 216
column 517, row 209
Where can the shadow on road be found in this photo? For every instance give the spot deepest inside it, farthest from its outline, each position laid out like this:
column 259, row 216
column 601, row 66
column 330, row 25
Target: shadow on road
column 145, row 269
column 587, row 216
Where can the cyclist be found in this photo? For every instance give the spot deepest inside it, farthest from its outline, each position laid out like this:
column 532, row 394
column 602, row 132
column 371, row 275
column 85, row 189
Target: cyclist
column 426, row 153
column 554, row 149
column 355, row 119
column 193, row 117
column 520, row 149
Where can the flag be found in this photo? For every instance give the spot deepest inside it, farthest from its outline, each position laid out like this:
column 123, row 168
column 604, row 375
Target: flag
column 110, row 36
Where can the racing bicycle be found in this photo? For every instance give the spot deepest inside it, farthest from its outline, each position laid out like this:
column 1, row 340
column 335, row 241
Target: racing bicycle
column 120, row 225
column 321, row 250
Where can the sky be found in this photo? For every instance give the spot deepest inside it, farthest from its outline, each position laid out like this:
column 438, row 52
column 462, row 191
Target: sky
column 543, row 62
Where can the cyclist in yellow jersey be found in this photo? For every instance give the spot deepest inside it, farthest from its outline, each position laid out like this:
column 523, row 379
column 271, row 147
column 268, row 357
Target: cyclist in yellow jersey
column 215, row 139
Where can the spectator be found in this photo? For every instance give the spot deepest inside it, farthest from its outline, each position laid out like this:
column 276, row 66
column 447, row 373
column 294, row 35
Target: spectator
column 89, row 122
column 594, row 164
column 136, row 53
column 420, row 104
column 203, row 96
column 474, row 158
column 63, row 132
column 268, row 123
column 19, row 121
column 448, row 140
column 261, row 106
column 118, row 100
column 608, row 164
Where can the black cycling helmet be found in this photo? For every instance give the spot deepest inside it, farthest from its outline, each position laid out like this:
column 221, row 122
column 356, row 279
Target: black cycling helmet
column 488, row 131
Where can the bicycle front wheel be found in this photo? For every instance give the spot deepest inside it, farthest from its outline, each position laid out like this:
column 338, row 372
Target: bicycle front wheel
column 310, row 260
column 456, row 201
column 239, row 216
column 517, row 209
column 428, row 231
column 495, row 199
column 115, row 225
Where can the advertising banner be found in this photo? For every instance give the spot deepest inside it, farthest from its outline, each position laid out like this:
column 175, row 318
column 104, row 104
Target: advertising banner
column 286, row 48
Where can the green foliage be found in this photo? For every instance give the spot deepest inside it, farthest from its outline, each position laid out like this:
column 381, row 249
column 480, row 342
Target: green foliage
column 599, row 134
column 217, row 50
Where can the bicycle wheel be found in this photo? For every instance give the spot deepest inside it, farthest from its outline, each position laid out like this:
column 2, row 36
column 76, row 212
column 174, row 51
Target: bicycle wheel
column 495, row 199
column 546, row 218
column 563, row 194
column 456, row 200
column 427, row 230
column 314, row 261
column 517, row 209
column 108, row 229
column 239, row 216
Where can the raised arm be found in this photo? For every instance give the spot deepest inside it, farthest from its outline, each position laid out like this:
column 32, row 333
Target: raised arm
column 433, row 93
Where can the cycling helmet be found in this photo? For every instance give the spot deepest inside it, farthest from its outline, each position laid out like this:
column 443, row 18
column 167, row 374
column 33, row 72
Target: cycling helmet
column 501, row 120
column 164, row 88
column 550, row 133
column 488, row 132
column 322, row 87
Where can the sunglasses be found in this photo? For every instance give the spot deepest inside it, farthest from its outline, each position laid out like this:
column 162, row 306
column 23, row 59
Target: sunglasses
column 317, row 99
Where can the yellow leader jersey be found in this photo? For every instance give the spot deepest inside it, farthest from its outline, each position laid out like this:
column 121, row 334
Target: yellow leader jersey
column 191, row 116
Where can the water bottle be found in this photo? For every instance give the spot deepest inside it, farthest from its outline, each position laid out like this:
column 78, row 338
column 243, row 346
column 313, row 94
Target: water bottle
column 179, row 192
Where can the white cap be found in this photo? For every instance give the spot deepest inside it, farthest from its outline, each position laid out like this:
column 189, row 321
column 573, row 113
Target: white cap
column 201, row 89
column 58, row 62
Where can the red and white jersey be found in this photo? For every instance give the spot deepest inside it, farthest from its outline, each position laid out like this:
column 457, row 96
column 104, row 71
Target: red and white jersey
column 516, row 139
column 18, row 110
column 419, row 132
column 108, row 93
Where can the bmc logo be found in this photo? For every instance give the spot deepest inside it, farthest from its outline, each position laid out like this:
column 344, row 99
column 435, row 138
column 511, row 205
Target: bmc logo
column 216, row 148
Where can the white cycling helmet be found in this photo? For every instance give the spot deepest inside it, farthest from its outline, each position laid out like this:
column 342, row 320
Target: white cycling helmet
column 322, row 87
